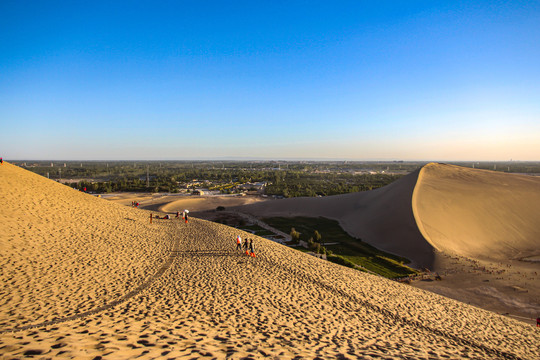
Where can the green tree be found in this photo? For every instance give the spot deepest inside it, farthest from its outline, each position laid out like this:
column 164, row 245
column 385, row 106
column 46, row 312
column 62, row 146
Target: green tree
column 295, row 235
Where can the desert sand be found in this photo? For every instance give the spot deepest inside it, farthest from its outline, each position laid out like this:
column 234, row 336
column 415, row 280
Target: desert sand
column 472, row 226
column 207, row 203
column 84, row 278
column 167, row 203
column 478, row 213
column 382, row 217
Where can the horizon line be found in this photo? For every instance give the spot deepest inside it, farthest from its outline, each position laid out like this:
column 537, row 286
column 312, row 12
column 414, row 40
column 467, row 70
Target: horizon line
column 291, row 159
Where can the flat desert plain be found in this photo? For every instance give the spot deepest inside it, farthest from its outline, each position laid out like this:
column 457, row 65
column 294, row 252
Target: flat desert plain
column 88, row 279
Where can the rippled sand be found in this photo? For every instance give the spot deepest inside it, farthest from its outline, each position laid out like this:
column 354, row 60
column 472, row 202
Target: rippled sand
column 83, row 277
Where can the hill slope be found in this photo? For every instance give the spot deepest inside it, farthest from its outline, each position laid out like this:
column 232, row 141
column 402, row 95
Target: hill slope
column 382, row 217
column 468, row 212
column 170, row 289
column 478, row 213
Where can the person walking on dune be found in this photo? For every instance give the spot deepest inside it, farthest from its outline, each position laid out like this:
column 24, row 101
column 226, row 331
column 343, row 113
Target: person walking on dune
column 246, row 245
column 251, row 248
column 238, row 242
column 186, row 217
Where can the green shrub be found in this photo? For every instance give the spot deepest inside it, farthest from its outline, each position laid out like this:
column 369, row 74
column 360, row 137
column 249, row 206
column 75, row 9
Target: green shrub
column 341, row 261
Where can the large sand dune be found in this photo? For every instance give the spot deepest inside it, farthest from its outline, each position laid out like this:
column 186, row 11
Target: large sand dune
column 473, row 226
column 382, row 217
column 478, row 213
column 459, row 211
column 86, row 278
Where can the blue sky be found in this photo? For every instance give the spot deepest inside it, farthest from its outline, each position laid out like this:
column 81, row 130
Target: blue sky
column 411, row 80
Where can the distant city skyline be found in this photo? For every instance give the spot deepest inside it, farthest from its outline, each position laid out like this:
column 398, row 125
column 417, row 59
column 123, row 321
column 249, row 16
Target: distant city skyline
column 351, row 80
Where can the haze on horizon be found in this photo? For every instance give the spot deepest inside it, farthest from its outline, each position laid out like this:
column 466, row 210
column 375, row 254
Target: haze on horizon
column 358, row 80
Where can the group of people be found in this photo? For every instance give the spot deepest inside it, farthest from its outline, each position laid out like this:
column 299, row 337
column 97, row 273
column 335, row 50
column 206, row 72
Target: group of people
column 245, row 245
column 133, row 203
column 184, row 215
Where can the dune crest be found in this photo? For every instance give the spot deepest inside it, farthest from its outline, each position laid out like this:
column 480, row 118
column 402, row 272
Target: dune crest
column 478, row 213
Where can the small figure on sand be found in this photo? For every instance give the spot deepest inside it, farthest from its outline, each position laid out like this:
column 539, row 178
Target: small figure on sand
column 177, row 214
column 538, row 321
column 245, row 246
column 150, row 218
column 251, row 248
column 238, row 242
column 1, row 161
column 186, row 215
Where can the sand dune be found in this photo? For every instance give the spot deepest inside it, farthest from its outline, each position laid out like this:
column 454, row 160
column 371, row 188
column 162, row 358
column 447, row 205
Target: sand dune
column 478, row 213
column 470, row 225
column 206, row 203
column 468, row 212
column 382, row 217
column 117, row 286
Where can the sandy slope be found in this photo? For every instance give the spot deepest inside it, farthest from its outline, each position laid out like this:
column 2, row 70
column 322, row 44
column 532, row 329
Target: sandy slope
column 478, row 213
column 483, row 222
column 171, row 289
column 470, row 225
column 60, row 246
column 382, row 217
column 167, row 203
column 206, row 203
column 459, row 211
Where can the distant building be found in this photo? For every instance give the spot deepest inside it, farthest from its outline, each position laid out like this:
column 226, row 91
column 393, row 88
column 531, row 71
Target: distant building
column 253, row 186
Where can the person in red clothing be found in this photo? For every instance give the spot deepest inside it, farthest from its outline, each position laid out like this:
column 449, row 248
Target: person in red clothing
column 251, row 248
column 538, row 321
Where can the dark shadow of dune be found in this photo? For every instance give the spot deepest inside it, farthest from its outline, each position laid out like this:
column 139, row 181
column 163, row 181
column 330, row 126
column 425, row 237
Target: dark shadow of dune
column 383, row 217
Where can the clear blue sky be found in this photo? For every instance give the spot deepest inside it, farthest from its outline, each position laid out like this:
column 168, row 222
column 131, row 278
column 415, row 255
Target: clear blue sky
column 412, row 80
